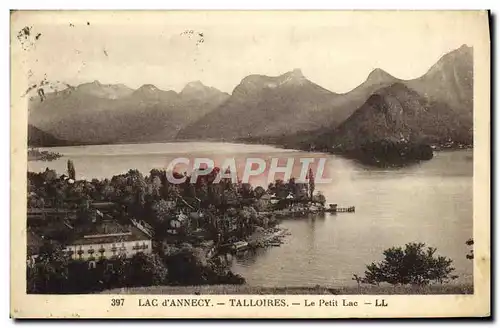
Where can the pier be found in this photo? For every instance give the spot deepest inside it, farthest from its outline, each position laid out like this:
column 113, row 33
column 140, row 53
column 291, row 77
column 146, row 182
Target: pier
column 333, row 208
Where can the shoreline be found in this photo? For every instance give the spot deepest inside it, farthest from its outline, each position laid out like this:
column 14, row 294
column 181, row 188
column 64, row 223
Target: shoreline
column 448, row 289
column 362, row 160
column 236, row 142
column 348, row 156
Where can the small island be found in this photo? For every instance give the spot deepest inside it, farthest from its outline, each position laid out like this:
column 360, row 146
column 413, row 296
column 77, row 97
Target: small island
column 42, row 155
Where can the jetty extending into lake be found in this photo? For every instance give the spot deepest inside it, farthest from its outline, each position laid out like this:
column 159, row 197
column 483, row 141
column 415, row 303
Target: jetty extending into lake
column 287, row 212
column 333, row 208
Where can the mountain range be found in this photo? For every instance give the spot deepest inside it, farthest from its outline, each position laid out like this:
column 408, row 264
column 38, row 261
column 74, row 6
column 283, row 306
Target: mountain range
column 434, row 107
column 98, row 113
column 397, row 113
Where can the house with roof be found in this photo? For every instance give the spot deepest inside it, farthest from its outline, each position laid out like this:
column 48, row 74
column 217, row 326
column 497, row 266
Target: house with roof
column 107, row 239
column 103, row 210
column 274, row 199
column 42, row 216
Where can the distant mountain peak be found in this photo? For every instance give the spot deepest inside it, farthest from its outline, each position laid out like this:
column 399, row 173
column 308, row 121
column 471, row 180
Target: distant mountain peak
column 196, row 83
column 379, row 75
column 94, row 84
column 446, row 68
column 461, row 53
column 151, row 92
column 464, row 49
column 98, row 89
column 295, row 73
column 148, row 88
column 196, row 89
column 293, row 77
column 194, row 86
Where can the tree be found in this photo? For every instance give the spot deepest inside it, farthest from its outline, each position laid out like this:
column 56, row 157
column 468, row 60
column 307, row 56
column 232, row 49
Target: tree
column 184, row 266
column 49, row 176
column 230, row 198
column 162, row 211
column 146, row 270
column 279, row 188
column 358, row 280
column 247, row 190
column 49, row 274
column 320, row 198
column 259, row 192
column 246, row 217
column 415, row 265
column 71, row 170
column 310, row 176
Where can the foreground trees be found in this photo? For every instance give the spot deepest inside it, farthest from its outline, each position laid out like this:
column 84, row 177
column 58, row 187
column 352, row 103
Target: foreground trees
column 50, row 271
column 54, row 273
column 221, row 212
column 413, row 265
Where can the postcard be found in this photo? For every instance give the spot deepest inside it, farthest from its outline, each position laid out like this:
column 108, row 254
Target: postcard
column 250, row 164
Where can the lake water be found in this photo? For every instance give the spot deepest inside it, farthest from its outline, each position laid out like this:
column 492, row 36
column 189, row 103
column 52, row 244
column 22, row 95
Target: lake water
column 430, row 202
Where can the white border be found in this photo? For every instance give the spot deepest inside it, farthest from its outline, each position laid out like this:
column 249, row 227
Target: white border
column 146, row 4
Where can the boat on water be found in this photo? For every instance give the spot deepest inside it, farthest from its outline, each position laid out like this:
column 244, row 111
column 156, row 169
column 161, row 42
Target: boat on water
column 240, row 246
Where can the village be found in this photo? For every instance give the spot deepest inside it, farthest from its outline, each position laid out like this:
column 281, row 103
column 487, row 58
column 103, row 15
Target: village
column 175, row 234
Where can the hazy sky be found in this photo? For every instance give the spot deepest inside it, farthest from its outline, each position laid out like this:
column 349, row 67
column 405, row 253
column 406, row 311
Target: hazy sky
column 336, row 50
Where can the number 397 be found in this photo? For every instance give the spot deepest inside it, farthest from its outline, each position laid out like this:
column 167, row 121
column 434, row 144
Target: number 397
column 117, row 301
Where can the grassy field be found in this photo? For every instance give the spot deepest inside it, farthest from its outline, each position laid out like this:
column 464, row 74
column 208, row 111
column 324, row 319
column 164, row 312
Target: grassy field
column 245, row 289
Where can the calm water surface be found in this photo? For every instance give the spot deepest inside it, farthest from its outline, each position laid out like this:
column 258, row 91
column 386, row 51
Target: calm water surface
column 429, row 202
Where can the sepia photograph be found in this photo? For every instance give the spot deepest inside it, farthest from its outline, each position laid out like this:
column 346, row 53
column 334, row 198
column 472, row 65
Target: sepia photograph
column 185, row 155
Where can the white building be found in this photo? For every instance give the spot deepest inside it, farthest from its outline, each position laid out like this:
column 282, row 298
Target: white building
column 107, row 240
